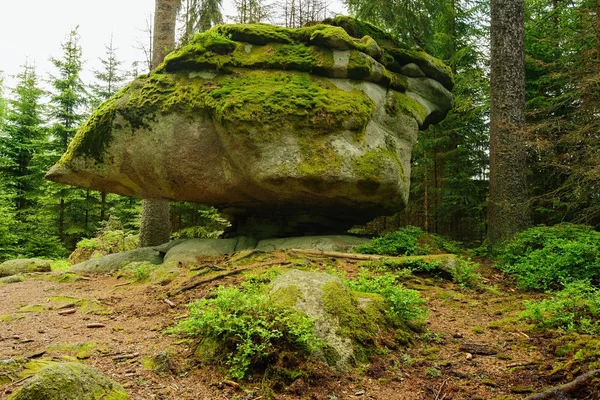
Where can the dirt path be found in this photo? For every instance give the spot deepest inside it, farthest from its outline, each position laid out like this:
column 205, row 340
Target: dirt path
column 132, row 317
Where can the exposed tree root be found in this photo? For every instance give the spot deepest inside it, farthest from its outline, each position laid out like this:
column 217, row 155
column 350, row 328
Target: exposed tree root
column 561, row 392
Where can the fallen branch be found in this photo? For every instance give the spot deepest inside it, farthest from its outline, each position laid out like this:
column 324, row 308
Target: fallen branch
column 370, row 257
column 201, row 282
column 337, row 254
column 558, row 392
column 244, row 255
column 125, row 356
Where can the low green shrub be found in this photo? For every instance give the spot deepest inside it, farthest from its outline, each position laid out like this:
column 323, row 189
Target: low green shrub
column 409, row 241
column 543, row 258
column 576, row 308
column 462, row 272
column 251, row 331
column 111, row 238
column 405, row 304
column 209, row 225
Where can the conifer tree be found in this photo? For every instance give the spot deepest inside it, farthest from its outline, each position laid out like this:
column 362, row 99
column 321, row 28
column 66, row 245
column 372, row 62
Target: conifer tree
column 199, row 16
column 250, row 11
column 24, row 134
column 508, row 199
column 155, row 227
column 110, row 79
column 68, row 110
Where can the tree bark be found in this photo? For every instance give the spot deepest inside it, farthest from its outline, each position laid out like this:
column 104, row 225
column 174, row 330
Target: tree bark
column 508, row 201
column 155, row 228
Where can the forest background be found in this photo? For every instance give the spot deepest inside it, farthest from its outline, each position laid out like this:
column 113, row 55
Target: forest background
column 450, row 176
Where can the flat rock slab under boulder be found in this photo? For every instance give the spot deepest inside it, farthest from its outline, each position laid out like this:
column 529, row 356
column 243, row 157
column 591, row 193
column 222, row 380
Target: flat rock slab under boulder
column 24, row 265
column 188, row 251
column 114, row 262
column 323, row 243
column 69, row 381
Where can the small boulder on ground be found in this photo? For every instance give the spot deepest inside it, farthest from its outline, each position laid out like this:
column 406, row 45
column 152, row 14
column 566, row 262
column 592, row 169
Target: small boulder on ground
column 352, row 324
column 24, row 265
column 69, row 381
column 114, row 262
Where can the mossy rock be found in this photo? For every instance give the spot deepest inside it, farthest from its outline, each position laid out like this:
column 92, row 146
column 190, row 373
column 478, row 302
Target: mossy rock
column 115, row 262
column 351, row 324
column 22, row 266
column 69, row 381
column 311, row 127
column 12, row 279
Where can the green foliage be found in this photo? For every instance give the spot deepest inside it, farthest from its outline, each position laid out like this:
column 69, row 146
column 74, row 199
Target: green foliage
column 405, row 305
column 142, row 273
column 576, row 308
column 250, row 330
column 543, row 258
column 408, row 241
column 110, row 239
column 60, row 265
column 562, row 71
column 199, row 221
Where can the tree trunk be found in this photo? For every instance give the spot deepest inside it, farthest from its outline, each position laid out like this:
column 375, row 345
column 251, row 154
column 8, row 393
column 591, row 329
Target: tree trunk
column 155, row 227
column 508, row 208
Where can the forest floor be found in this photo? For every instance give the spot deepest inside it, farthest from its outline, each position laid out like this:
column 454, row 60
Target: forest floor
column 473, row 345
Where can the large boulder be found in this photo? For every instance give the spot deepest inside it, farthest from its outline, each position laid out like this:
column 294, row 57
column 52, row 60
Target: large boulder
column 310, row 127
column 69, row 381
column 24, row 265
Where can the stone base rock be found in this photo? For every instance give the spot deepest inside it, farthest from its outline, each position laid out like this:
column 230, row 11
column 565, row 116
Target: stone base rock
column 114, row 262
column 25, row 265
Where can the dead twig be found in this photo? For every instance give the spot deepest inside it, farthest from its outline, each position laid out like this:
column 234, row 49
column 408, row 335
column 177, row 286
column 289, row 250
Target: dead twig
column 440, row 391
column 558, row 392
column 170, row 303
column 125, row 356
column 245, row 255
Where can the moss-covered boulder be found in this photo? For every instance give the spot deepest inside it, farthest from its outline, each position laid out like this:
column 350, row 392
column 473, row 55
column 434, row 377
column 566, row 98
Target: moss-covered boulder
column 352, row 325
column 311, row 127
column 115, row 262
column 23, row 266
column 69, row 381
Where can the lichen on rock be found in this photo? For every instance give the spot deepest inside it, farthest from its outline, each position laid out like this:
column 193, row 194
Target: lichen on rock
column 266, row 121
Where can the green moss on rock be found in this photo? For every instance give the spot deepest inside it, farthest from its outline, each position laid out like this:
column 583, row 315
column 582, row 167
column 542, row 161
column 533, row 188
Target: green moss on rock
column 81, row 351
column 372, row 165
column 69, row 381
column 404, row 104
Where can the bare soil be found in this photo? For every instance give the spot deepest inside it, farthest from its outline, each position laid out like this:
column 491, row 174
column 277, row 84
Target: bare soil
column 446, row 361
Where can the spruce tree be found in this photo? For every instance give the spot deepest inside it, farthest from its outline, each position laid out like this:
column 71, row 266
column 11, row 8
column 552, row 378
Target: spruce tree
column 110, row 79
column 199, row 16
column 68, row 110
column 508, row 199
column 24, row 134
column 155, row 227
